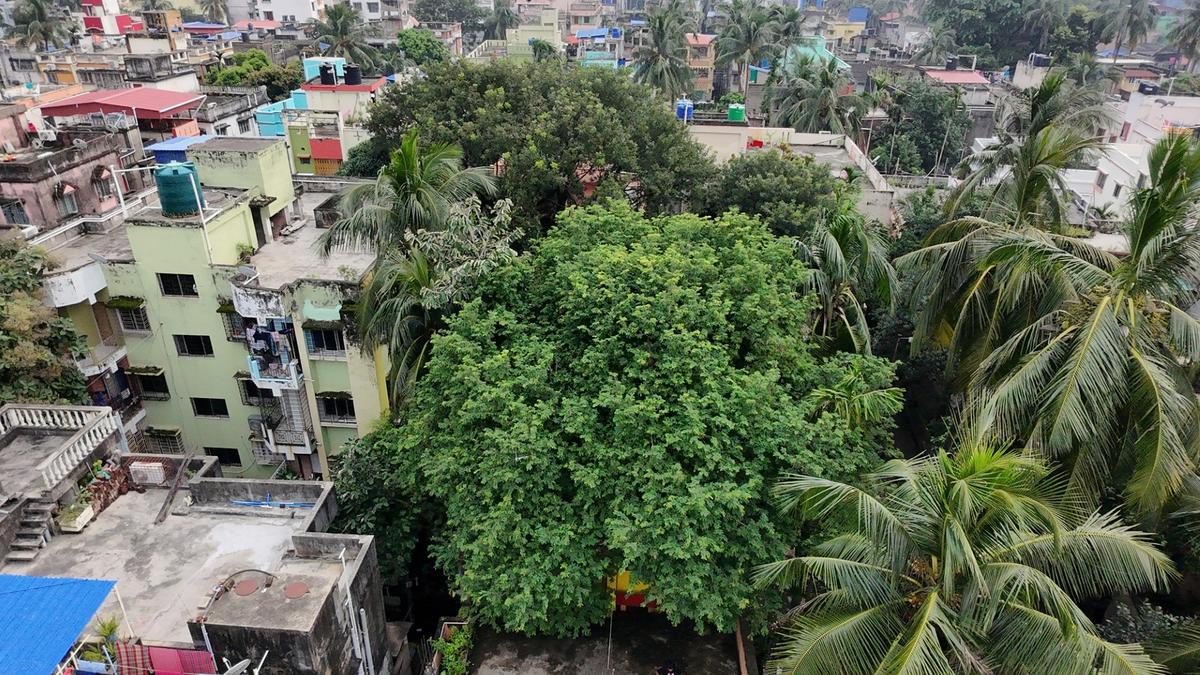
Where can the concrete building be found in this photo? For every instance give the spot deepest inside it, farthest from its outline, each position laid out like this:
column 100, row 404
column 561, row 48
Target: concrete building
column 876, row 198
column 702, row 56
column 450, row 33
column 105, row 17
column 1146, row 118
column 253, row 368
column 542, row 25
column 159, row 114
column 203, row 574
column 229, row 111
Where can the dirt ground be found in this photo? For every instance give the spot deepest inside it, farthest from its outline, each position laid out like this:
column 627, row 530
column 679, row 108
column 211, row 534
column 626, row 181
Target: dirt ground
column 640, row 643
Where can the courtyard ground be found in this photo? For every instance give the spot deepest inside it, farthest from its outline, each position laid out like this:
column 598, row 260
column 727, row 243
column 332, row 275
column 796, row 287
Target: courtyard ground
column 640, row 643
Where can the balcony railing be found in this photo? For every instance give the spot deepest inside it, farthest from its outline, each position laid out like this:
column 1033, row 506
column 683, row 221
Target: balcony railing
column 103, row 356
column 273, row 374
column 92, row 426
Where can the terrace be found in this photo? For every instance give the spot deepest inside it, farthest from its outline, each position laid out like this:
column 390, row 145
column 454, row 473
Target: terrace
column 43, row 447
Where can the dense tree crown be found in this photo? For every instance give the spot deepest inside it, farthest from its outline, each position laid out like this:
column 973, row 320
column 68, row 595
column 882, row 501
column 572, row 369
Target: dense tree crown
column 421, row 46
column 251, row 68
column 622, row 399
column 788, row 191
column 556, row 134
column 36, row 345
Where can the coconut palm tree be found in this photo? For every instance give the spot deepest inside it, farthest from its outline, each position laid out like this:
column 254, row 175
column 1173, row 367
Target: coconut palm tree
column 789, row 26
column 811, row 96
column 502, row 18
column 662, row 64
column 39, row 25
column 415, row 191
column 543, row 51
column 1185, row 35
column 344, row 34
column 1127, row 23
column 964, row 563
column 1099, row 377
column 859, row 402
column 215, row 10
column 941, row 45
column 1043, row 16
column 156, row 5
column 849, row 264
column 1085, row 70
column 747, row 39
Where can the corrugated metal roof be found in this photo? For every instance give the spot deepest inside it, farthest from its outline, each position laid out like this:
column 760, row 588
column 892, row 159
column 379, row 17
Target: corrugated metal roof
column 41, row 617
column 141, row 102
column 177, row 143
column 857, row 14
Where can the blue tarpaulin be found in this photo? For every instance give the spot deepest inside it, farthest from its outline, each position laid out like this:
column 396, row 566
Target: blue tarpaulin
column 857, row 14
column 41, row 617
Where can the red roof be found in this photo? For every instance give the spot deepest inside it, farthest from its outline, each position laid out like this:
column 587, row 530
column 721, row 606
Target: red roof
column 141, row 102
column 699, row 39
column 268, row 24
column 325, row 148
column 1131, row 73
column 890, row 16
column 957, row 76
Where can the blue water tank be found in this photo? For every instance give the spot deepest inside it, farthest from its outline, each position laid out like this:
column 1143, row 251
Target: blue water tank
column 176, row 194
column 684, row 109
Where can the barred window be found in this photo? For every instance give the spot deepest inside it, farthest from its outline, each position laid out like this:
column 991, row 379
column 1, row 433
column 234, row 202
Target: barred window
column 134, row 319
column 164, row 441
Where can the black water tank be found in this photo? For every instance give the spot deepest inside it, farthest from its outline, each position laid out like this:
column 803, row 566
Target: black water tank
column 1148, row 88
column 952, row 63
column 353, row 74
column 327, row 74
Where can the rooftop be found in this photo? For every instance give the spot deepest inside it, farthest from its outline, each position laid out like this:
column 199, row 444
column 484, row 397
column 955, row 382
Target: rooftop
column 240, row 143
column 165, row 572
column 295, row 256
column 77, row 248
column 956, row 76
column 141, row 102
column 699, row 39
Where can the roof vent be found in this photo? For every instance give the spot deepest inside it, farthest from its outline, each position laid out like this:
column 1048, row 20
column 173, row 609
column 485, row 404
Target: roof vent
column 295, row 590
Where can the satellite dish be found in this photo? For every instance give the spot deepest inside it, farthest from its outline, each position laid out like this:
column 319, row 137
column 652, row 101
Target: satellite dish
column 37, row 143
column 79, row 143
column 246, row 270
column 239, row 667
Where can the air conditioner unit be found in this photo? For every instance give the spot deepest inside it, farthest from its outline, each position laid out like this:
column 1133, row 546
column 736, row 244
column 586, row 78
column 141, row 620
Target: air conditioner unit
column 47, row 135
column 147, row 473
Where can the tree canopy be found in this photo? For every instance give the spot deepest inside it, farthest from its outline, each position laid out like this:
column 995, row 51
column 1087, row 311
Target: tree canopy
column 623, row 399
column 925, row 130
column 466, row 12
column 557, row 135
column 421, row 46
column 251, row 68
column 788, row 191
column 36, row 345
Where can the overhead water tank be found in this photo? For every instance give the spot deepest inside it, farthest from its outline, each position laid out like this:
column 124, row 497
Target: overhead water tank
column 353, row 74
column 327, row 74
column 737, row 112
column 176, row 191
column 684, row 108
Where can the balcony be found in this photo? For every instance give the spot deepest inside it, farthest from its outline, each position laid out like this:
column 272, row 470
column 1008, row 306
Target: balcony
column 42, row 445
column 103, row 357
column 272, row 374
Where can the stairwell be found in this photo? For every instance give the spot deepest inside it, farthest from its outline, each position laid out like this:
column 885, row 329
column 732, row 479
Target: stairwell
column 34, row 532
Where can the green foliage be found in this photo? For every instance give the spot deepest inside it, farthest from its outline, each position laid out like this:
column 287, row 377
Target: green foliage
column 36, row 345
column 422, row 46
column 252, row 68
column 366, row 159
column 1127, row 625
column 956, row 560
column 662, row 63
column 622, row 400
column 551, row 126
column 345, row 33
column 732, row 97
column 924, row 118
column 1079, row 34
column 39, row 25
column 466, row 12
column 811, row 96
column 455, row 651
column 1186, row 84
column 993, row 29
column 789, row 192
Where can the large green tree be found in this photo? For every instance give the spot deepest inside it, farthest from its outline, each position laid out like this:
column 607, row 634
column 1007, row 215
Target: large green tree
column 555, row 134
column 992, row 29
column 662, row 63
column 466, row 12
column 37, row 347
column 422, row 47
column 623, row 399
column 747, row 38
column 964, row 563
column 789, row 192
column 503, row 17
column 251, row 68
column 344, row 34
column 814, row 96
column 928, row 118
column 1127, row 23
column 39, row 25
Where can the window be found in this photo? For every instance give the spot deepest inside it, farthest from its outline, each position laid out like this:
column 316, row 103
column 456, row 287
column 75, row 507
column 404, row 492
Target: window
column 235, row 330
column 225, row 456
column 193, row 345
column 1101, row 178
column 177, row 284
column 210, row 407
column 1141, row 182
column 269, row 16
column 103, row 188
column 165, row 441
column 134, row 319
column 1125, row 131
column 244, row 126
column 1116, row 189
column 336, row 409
column 154, row 387
column 324, row 342
column 66, row 205
column 14, row 213
column 223, row 130
column 252, row 395
column 372, row 7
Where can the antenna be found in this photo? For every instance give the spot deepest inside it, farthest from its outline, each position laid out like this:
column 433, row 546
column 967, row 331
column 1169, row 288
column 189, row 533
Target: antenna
column 238, row 668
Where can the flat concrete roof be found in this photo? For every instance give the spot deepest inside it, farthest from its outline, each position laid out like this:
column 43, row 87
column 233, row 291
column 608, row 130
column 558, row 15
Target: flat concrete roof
column 21, row 454
column 294, row 256
column 165, row 572
column 243, row 143
column 77, row 252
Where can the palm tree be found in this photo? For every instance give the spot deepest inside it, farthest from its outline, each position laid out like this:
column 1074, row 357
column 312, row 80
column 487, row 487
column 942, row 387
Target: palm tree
column 1127, row 23
column 39, row 25
column 1186, row 34
column 812, row 97
column 543, row 51
column 1043, row 16
column 849, row 265
column 941, row 45
column 1085, row 70
column 748, row 38
column 1099, row 377
column 215, row 10
column 662, row 64
column 502, row 18
column 156, row 5
column 415, row 191
column 789, row 26
column 858, row 402
column 344, row 35
column 963, row 563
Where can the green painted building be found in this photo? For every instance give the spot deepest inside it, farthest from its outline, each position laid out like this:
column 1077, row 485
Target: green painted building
column 222, row 331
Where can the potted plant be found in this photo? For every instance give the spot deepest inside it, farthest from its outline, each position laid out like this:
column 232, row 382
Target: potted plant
column 76, row 516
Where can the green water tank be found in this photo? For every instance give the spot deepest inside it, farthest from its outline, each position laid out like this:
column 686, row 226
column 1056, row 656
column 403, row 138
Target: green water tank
column 176, row 194
column 737, row 113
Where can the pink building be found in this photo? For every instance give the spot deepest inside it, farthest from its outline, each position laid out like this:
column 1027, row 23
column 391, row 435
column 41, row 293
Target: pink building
column 105, row 17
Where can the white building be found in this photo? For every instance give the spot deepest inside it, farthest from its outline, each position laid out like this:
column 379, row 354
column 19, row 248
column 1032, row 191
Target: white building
column 1144, row 118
